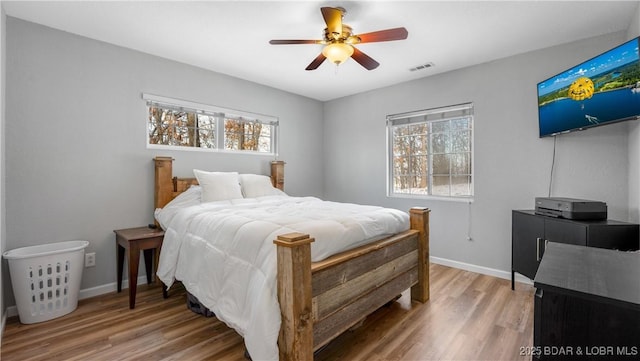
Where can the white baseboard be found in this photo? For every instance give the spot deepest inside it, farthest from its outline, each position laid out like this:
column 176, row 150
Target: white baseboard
column 4, row 322
column 111, row 287
column 84, row 293
column 480, row 269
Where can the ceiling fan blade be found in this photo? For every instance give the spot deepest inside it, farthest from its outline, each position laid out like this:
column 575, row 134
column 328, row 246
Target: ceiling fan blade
column 384, row 35
column 333, row 18
column 316, row 62
column 284, row 42
column 364, row 59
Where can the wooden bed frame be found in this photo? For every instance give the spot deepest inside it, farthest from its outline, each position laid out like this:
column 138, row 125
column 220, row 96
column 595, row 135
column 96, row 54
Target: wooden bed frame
column 321, row 300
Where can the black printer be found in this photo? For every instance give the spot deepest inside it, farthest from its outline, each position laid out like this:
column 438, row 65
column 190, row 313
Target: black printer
column 571, row 208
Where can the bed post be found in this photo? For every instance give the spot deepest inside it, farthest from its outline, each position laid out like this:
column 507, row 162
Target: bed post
column 419, row 220
column 163, row 181
column 277, row 174
column 295, row 341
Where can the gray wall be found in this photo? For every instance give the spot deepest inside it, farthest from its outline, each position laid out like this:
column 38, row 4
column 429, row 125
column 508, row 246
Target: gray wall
column 77, row 166
column 3, row 238
column 512, row 165
column 634, row 143
column 634, row 27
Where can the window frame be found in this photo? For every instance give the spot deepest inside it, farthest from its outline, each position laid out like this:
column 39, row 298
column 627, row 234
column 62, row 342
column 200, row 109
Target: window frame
column 221, row 116
column 432, row 115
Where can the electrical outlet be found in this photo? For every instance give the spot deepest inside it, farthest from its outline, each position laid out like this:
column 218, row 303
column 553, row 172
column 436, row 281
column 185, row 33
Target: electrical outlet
column 90, row 259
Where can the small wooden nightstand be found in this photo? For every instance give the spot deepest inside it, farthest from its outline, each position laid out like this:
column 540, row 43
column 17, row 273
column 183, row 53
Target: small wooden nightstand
column 132, row 240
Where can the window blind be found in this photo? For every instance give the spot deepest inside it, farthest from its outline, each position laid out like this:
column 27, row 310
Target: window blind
column 197, row 108
column 427, row 115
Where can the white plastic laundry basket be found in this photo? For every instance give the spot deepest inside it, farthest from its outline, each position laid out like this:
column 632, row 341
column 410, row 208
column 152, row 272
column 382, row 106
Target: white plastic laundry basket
column 46, row 279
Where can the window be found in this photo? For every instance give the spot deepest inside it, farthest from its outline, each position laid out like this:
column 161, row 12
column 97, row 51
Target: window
column 430, row 153
column 242, row 134
column 178, row 124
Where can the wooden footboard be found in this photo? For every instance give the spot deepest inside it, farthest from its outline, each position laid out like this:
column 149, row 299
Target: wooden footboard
column 319, row 301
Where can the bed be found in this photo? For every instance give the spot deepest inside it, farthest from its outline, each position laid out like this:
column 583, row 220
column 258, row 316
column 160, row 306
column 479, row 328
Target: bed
column 318, row 291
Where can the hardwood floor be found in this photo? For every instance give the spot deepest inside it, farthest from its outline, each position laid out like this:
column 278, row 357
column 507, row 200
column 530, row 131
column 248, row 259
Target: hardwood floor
column 469, row 317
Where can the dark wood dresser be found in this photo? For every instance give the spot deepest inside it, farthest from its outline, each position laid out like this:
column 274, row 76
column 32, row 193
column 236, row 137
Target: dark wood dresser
column 587, row 304
column 531, row 232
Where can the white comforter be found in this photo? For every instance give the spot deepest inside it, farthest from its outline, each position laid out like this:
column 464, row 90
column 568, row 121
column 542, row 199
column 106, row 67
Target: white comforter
column 223, row 253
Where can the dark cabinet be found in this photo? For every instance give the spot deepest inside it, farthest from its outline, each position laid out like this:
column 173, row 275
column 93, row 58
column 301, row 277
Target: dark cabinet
column 587, row 304
column 531, row 232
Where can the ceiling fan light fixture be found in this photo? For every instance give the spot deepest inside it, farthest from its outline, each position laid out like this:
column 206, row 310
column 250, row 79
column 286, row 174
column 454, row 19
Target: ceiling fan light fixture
column 337, row 53
column 339, row 41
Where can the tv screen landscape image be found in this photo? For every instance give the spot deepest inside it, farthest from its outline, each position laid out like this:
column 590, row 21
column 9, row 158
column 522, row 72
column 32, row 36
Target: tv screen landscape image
column 602, row 90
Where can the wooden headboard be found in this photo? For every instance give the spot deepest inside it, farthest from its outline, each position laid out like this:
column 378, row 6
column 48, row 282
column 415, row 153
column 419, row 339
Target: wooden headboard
column 167, row 187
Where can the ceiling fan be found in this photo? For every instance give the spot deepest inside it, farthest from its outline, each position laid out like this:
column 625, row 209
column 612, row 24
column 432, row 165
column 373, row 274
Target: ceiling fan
column 338, row 41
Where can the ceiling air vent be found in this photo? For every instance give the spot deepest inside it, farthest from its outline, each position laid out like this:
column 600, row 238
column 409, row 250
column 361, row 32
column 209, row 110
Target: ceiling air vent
column 422, row 67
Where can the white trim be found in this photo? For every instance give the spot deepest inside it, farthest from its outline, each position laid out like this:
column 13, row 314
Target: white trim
column 4, row 322
column 109, row 287
column 465, row 199
column 112, row 287
column 210, row 150
column 220, row 115
column 83, row 294
column 11, row 311
column 480, row 269
column 465, row 110
column 209, row 108
column 446, row 112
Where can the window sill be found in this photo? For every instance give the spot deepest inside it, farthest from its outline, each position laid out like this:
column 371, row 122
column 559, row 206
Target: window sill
column 209, row 150
column 465, row 199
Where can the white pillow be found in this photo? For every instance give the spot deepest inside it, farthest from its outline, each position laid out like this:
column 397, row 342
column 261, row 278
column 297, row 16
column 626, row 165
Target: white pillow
column 218, row 186
column 255, row 185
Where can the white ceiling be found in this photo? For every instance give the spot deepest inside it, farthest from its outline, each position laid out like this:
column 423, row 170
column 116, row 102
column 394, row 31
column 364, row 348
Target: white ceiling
column 231, row 37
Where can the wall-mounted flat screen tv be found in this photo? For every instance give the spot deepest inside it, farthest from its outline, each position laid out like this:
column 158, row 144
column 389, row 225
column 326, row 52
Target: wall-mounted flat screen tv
column 602, row 90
